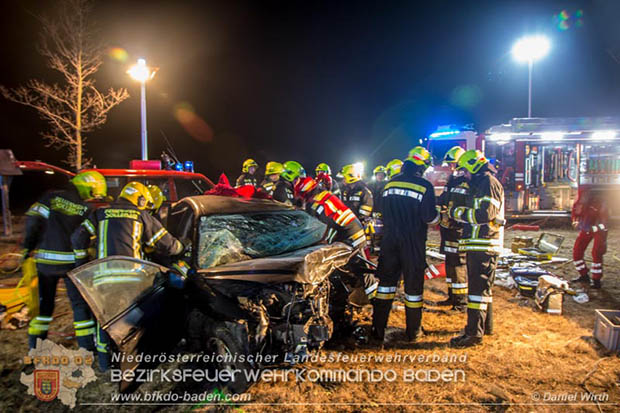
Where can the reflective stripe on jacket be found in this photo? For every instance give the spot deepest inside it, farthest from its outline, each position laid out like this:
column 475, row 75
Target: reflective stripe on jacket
column 483, row 217
column 49, row 225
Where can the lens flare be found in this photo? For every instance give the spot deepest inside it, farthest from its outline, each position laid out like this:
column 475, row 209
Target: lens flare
column 118, row 53
column 565, row 20
column 466, row 96
column 193, row 124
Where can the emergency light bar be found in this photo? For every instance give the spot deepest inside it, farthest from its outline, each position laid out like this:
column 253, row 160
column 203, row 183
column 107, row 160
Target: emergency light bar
column 444, row 133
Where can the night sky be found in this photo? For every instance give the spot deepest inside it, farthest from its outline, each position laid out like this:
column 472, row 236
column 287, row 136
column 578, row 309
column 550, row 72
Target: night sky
column 319, row 81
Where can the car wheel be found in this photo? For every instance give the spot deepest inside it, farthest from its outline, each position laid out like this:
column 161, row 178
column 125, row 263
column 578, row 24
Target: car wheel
column 222, row 343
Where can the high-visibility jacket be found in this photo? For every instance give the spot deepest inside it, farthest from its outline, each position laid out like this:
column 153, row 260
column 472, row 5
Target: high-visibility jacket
column 247, row 179
column 49, row 225
column 483, row 217
column 358, row 198
column 268, row 186
column 455, row 194
column 123, row 229
column 283, row 192
column 343, row 225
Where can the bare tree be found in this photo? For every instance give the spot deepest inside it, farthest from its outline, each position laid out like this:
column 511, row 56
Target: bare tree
column 76, row 107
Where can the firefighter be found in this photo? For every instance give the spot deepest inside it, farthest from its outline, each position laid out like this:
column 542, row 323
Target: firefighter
column 483, row 218
column 342, row 226
column 283, row 191
column 375, row 226
column 408, row 208
column 393, row 168
column 49, row 225
column 590, row 215
column 158, row 200
column 356, row 195
column 325, row 169
column 377, row 184
column 124, row 228
column 454, row 194
column 248, row 174
column 273, row 170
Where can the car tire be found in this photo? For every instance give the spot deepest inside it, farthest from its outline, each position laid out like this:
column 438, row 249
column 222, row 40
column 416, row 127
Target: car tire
column 220, row 341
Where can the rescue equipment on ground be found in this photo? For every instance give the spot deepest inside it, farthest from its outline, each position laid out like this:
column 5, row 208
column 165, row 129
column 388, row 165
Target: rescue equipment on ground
column 545, row 247
column 550, row 294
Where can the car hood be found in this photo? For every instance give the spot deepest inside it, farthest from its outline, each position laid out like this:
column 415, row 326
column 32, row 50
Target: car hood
column 310, row 265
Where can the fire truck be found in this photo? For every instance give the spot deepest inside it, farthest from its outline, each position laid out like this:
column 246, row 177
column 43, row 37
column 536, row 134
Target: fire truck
column 440, row 141
column 546, row 163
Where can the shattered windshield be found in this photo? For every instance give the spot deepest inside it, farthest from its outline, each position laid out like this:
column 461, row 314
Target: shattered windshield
column 232, row 238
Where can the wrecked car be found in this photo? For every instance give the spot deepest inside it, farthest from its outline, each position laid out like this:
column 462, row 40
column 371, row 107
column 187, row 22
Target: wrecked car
column 256, row 281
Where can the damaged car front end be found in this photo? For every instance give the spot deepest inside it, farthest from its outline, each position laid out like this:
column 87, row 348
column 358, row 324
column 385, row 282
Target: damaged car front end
column 254, row 282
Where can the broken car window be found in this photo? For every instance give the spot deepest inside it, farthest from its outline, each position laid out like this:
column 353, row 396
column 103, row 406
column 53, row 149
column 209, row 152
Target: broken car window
column 225, row 239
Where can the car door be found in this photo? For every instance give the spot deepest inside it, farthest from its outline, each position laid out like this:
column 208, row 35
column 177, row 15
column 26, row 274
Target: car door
column 130, row 300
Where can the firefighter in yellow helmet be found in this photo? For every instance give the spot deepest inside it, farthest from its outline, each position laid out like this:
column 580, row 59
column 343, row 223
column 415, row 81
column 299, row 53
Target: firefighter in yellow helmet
column 49, row 225
column 158, row 198
column 123, row 228
column 356, row 195
column 273, row 170
column 408, row 207
column 482, row 219
column 393, row 168
column 248, row 174
column 283, row 191
column 379, row 179
column 455, row 194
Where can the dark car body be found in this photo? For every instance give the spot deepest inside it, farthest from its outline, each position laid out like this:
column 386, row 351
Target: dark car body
column 257, row 280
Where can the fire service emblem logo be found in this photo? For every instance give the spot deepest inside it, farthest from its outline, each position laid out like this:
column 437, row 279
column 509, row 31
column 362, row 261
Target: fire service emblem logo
column 46, row 384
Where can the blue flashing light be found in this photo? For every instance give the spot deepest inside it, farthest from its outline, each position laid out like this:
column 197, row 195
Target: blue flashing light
column 444, row 133
column 189, row 166
column 178, row 166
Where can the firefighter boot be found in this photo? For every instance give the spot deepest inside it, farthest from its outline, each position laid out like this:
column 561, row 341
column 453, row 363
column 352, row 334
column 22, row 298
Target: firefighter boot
column 464, row 340
column 414, row 324
column 488, row 323
column 582, row 279
column 380, row 314
column 448, row 301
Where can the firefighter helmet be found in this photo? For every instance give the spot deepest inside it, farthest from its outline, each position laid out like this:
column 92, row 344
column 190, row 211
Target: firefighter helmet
column 90, row 185
column 247, row 164
column 453, row 154
column 472, row 160
column 323, row 167
column 419, row 156
column 137, row 194
column 379, row 170
column 273, row 168
column 293, row 170
column 157, row 195
column 393, row 167
column 351, row 173
column 304, row 187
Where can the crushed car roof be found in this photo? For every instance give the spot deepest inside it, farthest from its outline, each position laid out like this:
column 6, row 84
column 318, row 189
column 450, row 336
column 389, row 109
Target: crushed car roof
column 216, row 204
